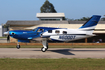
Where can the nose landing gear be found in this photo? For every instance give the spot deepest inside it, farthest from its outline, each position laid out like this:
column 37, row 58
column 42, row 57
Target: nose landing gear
column 18, row 46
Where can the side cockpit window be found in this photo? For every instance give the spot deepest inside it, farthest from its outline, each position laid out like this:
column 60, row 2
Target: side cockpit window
column 49, row 31
column 57, row 31
column 40, row 30
column 64, row 32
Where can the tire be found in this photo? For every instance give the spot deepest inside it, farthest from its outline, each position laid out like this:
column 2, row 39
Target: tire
column 18, row 46
column 43, row 49
column 47, row 47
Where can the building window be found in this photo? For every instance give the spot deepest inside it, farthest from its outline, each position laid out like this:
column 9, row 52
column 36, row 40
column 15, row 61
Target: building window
column 64, row 32
column 50, row 19
column 57, row 19
column 57, row 31
column 49, row 31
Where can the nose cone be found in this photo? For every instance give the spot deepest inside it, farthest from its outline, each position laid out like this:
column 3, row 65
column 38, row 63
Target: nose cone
column 6, row 33
column 12, row 33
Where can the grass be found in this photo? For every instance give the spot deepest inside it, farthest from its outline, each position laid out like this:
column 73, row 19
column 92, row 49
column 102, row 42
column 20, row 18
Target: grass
column 52, row 64
column 98, row 46
column 2, row 37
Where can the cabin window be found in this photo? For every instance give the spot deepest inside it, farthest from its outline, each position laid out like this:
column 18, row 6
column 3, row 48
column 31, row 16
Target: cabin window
column 57, row 31
column 64, row 32
column 49, row 31
column 40, row 30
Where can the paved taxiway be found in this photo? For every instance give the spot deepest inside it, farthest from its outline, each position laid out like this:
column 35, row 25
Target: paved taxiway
column 52, row 53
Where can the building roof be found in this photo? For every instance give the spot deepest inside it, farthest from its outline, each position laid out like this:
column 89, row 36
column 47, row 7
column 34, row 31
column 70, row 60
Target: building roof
column 35, row 22
column 46, row 22
column 50, row 15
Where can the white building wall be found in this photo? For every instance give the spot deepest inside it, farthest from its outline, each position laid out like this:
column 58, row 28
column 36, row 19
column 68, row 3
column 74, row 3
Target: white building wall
column 0, row 30
column 57, row 16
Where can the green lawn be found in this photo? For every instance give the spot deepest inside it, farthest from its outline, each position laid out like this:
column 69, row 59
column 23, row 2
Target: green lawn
column 3, row 37
column 1, row 46
column 52, row 64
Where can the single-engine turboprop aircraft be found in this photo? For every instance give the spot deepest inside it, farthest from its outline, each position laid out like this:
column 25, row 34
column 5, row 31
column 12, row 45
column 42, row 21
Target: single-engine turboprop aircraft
column 56, row 34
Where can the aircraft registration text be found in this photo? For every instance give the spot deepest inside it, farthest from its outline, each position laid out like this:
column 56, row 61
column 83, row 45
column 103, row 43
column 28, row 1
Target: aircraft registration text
column 67, row 37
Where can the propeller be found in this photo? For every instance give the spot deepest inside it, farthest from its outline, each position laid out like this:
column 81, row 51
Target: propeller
column 8, row 36
column 6, row 33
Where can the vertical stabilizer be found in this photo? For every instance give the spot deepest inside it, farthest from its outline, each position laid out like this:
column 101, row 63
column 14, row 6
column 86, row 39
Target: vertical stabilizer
column 90, row 25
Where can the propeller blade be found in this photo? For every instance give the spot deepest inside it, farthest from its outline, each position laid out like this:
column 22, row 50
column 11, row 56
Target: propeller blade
column 6, row 33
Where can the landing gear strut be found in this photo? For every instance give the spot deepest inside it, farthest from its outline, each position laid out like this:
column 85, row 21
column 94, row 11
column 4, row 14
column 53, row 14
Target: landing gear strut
column 18, row 46
column 45, row 45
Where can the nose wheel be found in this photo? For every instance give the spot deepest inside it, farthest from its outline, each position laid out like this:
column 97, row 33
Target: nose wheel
column 18, row 46
column 43, row 49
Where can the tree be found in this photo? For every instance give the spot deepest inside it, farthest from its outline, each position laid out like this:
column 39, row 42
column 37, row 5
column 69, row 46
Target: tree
column 103, row 19
column 47, row 7
column 84, row 19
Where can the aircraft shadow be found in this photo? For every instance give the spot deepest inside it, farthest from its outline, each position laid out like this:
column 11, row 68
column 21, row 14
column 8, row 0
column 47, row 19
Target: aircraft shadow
column 89, row 50
column 68, row 51
column 63, row 51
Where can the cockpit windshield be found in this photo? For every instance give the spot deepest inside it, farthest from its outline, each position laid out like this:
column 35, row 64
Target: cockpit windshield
column 38, row 30
column 35, row 29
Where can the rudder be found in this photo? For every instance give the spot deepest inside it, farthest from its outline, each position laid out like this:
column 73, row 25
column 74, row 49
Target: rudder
column 93, row 21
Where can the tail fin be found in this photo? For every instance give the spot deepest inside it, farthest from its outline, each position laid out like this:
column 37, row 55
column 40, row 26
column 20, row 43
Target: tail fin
column 90, row 25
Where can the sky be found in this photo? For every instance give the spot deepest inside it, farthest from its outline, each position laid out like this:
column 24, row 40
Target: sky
column 27, row 9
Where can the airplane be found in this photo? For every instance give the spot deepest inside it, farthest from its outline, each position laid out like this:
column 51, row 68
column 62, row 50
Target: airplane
column 55, row 34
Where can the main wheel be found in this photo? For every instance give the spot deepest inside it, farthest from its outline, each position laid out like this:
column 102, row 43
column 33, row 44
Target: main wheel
column 43, row 49
column 18, row 46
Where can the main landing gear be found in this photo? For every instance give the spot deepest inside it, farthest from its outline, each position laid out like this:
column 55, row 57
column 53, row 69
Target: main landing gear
column 18, row 46
column 45, row 45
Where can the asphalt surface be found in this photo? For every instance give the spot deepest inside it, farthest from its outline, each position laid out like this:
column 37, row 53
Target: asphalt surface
column 52, row 53
column 3, row 40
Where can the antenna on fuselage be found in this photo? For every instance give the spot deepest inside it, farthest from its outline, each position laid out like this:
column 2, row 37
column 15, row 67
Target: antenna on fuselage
column 58, row 26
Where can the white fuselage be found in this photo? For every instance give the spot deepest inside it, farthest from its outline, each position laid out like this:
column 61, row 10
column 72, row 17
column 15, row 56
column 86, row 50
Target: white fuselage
column 66, row 34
